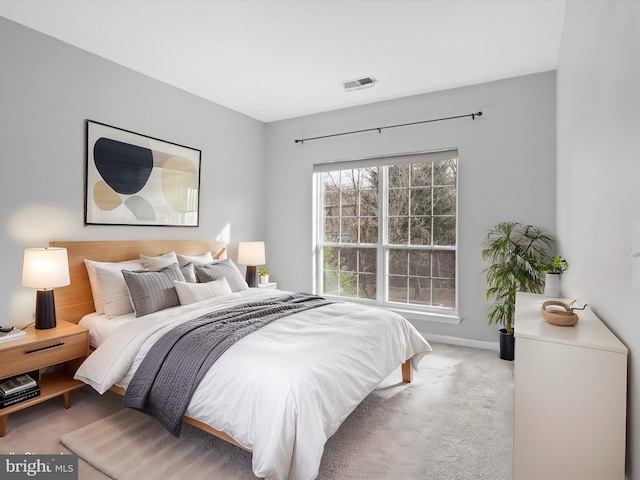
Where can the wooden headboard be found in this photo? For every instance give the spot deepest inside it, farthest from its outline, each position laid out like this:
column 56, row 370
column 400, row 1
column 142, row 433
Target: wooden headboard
column 75, row 300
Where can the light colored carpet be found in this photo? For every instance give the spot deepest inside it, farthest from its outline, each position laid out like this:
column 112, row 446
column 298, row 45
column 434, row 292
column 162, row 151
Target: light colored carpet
column 454, row 422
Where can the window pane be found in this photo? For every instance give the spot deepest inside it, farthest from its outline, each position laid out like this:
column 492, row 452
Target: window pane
column 331, row 203
column 398, row 262
column 444, row 265
column 444, row 201
column 367, row 286
column 445, row 172
column 332, row 229
column 331, row 180
column 444, row 293
column 420, row 263
column 398, row 230
column 420, row 230
column 444, row 231
column 420, row 290
column 399, row 201
column 348, row 260
column 349, row 205
column 368, row 261
column 369, row 178
column 369, row 230
column 330, row 258
column 349, row 231
column 421, row 201
column 397, row 289
column 349, row 180
column 330, row 283
column 348, row 284
column 421, row 174
column 368, row 203
column 398, row 176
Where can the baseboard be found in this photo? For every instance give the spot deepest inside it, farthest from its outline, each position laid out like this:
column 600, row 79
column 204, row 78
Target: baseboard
column 463, row 342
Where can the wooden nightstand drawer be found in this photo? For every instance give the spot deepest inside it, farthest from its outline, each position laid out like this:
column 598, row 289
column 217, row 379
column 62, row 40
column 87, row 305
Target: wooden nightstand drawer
column 35, row 355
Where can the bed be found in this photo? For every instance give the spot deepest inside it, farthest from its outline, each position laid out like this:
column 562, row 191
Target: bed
column 279, row 392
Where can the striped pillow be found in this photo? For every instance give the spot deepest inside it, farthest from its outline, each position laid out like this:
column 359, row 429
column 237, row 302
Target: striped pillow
column 222, row 268
column 189, row 272
column 196, row 292
column 153, row 290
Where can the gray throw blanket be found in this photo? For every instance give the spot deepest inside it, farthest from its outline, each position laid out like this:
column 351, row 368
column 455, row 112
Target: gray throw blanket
column 174, row 366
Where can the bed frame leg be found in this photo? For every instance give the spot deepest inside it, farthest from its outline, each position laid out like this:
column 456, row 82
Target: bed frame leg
column 407, row 372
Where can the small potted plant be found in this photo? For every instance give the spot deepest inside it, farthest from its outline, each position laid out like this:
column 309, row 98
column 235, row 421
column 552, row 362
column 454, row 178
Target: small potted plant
column 553, row 270
column 263, row 275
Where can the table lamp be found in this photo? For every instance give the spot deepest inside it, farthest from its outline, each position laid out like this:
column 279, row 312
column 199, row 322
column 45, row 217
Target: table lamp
column 251, row 254
column 45, row 269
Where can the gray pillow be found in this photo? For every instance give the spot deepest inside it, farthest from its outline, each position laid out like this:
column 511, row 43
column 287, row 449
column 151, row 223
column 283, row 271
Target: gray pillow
column 189, row 273
column 222, row 268
column 153, row 290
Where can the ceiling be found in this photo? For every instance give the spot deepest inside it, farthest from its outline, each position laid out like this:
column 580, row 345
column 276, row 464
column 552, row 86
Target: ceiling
column 274, row 59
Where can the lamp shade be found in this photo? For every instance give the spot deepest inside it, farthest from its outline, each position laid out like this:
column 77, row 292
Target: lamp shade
column 45, row 268
column 251, row 253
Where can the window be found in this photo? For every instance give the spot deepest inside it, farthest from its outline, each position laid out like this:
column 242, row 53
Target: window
column 387, row 230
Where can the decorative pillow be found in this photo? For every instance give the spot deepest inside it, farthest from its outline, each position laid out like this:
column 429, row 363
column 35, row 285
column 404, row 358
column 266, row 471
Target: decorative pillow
column 153, row 290
column 195, row 292
column 189, row 273
column 153, row 263
column 222, row 268
column 197, row 260
column 113, row 283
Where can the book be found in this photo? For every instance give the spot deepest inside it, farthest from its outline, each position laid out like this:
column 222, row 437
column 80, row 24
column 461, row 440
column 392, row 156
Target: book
column 12, row 334
column 21, row 392
column 16, row 384
column 21, row 397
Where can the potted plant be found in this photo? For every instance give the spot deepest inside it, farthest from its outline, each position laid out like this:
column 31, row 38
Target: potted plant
column 517, row 255
column 553, row 270
column 263, row 275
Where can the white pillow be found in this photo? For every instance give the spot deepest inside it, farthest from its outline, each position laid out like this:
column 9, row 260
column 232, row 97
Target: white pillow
column 196, row 292
column 161, row 261
column 91, row 265
column 197, row 260
column 115, row 294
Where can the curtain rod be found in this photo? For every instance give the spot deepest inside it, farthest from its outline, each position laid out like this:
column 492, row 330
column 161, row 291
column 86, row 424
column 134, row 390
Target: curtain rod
column 379, row 129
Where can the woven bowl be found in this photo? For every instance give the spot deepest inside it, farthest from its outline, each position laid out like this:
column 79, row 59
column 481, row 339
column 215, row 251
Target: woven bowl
column 564, row 316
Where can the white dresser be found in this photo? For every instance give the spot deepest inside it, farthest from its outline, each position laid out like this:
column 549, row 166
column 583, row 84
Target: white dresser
column 570, row 397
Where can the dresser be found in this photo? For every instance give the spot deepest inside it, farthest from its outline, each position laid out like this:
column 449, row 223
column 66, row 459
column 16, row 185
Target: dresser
column 570, row 397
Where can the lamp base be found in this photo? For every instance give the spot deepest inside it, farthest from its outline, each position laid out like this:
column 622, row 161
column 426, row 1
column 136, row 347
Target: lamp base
column 45, row 309
column 251, row 277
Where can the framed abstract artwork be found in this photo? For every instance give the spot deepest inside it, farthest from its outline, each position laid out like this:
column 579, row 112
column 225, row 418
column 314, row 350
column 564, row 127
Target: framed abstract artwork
column 133, row 179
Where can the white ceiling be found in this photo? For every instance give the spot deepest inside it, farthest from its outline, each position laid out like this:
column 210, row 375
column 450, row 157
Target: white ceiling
column 273, row 60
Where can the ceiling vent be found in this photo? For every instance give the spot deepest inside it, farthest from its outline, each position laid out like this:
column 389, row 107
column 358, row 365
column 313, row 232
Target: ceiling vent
column 358, row 83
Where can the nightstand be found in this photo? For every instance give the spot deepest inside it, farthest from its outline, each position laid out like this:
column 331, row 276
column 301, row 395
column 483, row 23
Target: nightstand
column 273, row 285
column 65, row 346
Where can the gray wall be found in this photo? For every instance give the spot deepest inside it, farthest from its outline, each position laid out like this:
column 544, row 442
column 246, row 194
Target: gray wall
column 506, row 172
column 598, row 174
column 47, row 90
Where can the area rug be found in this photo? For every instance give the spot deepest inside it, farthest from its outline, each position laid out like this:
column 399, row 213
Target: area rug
column 454, row 422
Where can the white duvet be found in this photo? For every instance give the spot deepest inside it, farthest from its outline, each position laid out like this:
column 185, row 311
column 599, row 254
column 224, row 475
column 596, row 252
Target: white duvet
column 283, row 390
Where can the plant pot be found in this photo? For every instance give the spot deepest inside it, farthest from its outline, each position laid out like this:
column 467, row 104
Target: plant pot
column 507, row 345
column 263, row 279
column 552, row 285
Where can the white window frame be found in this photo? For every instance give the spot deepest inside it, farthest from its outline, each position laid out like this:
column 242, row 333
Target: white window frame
column 411, row 311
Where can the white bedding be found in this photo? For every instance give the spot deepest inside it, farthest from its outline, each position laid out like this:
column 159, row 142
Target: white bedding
column 100, row 327
column 283, row 390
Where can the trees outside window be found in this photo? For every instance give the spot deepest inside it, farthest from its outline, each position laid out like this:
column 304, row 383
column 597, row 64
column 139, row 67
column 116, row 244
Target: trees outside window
column 387, row 229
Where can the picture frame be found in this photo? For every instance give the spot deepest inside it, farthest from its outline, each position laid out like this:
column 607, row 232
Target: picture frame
column 133, row 179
